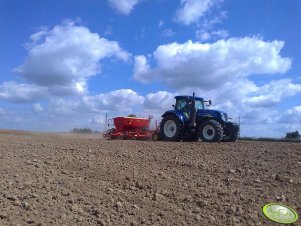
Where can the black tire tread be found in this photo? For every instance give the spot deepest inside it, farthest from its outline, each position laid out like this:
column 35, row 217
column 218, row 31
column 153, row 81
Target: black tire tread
column 218, row 127
column 177, row 136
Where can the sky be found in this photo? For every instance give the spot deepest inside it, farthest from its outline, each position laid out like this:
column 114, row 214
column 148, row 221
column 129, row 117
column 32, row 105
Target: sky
column 65, row 64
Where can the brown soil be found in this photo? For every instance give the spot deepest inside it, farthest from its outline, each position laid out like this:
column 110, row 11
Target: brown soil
column 65, row 179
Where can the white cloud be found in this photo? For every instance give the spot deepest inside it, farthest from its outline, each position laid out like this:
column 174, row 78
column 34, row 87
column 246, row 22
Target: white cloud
column 119, row 100
column 206, row 28
column 89, row 111
column 246, row 99
column 273, row 92
column 37, row 107
column 64, row 57
column 292, row 115
column 192, row 10
column 142, row 70
column 123, row 6
column 208, row 66
column 161, row 23
column 205, row 35
column 159, row 100
column 21, row 92
column 98, row 120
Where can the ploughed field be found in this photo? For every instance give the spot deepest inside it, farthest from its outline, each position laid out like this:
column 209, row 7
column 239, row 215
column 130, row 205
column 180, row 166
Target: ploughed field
column 65, row 179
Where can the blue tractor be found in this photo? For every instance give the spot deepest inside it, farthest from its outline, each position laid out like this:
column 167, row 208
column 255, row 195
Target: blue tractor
column 191, row 120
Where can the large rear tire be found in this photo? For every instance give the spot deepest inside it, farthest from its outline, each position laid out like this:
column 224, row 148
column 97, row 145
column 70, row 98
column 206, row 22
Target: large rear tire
column 211, row 131
column 170, row 128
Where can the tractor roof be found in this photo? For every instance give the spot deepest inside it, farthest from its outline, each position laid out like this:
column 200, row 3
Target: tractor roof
column 189, row 97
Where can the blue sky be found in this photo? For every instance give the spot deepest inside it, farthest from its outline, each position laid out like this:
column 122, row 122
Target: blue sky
column 64, row 64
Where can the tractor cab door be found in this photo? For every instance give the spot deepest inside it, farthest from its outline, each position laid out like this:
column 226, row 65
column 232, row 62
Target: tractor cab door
column 184, row 105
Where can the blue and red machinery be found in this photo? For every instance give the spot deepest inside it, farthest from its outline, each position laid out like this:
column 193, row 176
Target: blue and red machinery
column 131, row 128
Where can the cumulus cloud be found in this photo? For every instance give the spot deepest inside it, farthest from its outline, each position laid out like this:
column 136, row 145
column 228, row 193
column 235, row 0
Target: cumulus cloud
column 21, row 92
column 88, row 111
column 192, row 10
column 253, row 103
column 142, row 70
column 123, row 6
column 206, row 30
column 64, row 57
column 117, row 100
column 273, row 93
column 208, row 66
column 292, row 115
column 159, row 100
column 122, row 101
column 205, row 35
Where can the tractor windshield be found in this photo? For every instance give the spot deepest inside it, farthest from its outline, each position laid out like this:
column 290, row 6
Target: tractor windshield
column 184, row 105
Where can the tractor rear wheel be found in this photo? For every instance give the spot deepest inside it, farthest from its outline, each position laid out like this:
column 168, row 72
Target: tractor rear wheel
column 211, row 131
column 170, row 128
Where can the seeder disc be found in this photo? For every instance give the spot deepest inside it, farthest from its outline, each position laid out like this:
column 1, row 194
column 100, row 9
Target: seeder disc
column 280, row 213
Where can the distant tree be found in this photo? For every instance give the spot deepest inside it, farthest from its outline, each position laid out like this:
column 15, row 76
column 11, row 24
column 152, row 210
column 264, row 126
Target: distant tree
column 132, row 115
column 81, row 130
column 293, row 135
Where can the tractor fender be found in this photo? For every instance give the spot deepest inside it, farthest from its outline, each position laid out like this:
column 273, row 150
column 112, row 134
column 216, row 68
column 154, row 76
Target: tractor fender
column 175, row 113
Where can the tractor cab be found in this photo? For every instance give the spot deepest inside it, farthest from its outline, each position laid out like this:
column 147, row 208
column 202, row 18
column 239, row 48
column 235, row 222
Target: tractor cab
column 185, row 105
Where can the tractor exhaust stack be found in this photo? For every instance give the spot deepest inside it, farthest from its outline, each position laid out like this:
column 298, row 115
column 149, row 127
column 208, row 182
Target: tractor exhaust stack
column 193, row 112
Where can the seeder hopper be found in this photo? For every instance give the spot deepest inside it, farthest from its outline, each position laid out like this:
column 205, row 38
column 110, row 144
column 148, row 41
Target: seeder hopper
column 131, row 128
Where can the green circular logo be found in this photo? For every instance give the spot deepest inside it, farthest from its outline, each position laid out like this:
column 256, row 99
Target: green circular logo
column 280, row 213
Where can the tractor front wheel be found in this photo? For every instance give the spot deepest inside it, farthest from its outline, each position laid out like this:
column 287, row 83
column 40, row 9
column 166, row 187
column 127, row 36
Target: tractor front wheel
column 170, row 128
column 211, row 131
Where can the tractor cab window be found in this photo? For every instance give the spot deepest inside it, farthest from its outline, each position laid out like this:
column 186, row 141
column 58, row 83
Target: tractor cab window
column 183, row 105
column 199, row 105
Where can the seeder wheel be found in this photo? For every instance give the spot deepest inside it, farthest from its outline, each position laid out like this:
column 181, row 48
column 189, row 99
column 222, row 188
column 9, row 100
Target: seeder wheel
column 155, row 136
